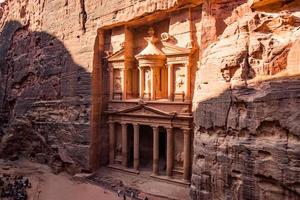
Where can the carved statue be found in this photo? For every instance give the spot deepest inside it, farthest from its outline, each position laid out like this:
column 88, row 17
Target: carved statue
column 179, row 157
column 119, row 149
column 180, row 81
column 118, row 84
column 147, row 81
column 180, row 78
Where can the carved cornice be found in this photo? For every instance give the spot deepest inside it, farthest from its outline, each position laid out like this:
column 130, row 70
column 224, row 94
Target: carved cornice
column 142, row 106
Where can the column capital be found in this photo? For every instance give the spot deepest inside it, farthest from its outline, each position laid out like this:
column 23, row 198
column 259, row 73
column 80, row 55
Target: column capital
column 100, row 32
column 123, row 123
column 155, row 127
column 169, row 129
column 135, row 124
column 111, row 122
column 187, row 130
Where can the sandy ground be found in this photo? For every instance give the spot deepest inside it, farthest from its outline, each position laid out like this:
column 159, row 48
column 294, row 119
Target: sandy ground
column 152, row 188
column 48, row 186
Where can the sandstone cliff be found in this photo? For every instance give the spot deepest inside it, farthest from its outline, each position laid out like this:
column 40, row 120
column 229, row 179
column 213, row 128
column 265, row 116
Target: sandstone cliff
column 246, row 139
column 246, row 143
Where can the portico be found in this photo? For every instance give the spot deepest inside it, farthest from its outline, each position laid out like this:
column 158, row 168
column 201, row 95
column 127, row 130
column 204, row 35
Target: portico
column 144, row 115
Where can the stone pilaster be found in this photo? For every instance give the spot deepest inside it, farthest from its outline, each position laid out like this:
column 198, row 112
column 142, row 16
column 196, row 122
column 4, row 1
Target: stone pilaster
column 170, row 82
column 155, row 150
column 111, row 142
column 187, row 154
column 170, row 151
column 136, row 149
column 142, row 82
column 124, row 145
column 153, row 83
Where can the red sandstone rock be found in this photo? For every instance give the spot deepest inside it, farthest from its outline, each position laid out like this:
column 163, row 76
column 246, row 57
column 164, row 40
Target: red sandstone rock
column 248, row 120
column 246, row 98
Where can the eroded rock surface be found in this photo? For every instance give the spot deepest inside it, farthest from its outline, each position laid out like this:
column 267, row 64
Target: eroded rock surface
column 246, row 99
column 247, row 142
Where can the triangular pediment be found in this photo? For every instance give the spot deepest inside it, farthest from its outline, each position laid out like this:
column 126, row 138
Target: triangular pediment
column 117, row 56
column 170, row 49
column 143, row 110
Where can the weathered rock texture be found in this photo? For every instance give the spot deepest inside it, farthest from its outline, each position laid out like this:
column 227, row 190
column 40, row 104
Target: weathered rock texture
column 246, row 102
column 45, row 95
column 247, row 141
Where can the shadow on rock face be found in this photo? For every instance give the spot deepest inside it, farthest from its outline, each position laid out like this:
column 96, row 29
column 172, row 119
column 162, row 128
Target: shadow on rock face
column 247, row 142
column 44, row 98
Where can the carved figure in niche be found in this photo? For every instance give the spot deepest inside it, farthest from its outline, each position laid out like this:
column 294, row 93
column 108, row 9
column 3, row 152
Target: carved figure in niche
column 180, row 81
column 118, row 81
column 179, row 157
column 119, row 149
column 118, row 84
column 180, row 78
column 147, row 81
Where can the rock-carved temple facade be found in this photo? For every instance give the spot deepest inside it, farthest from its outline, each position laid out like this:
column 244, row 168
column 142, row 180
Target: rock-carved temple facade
column 150, row 71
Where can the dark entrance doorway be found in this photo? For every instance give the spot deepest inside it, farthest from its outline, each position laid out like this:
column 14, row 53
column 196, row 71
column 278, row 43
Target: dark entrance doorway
column 146, row 147
column 162, row 150
column 130, row 145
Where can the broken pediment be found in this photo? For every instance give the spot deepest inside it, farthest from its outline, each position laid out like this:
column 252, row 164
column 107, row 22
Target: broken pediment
column 117, row 56
column 171, row 49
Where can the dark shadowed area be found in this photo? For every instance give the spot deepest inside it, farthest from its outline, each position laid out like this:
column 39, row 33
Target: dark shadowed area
column 45, row 100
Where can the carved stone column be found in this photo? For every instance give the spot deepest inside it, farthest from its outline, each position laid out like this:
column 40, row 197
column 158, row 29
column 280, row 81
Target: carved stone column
column 97, row 96
column 111, row 82
column 124, row 80
column 170, row 151
column 153, row 83
column 155, row 150
column 136, row 149
column 171, row 82
column 112, row 144
column 142, row 82
column 128, row 62
column 135, row 82
column 188, row 83
column 187, row 154
column 124, row 145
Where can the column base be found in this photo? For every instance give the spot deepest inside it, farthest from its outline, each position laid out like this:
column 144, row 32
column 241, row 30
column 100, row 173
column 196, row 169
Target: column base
column 154, row 174
column 123, row 169
column 172, row 180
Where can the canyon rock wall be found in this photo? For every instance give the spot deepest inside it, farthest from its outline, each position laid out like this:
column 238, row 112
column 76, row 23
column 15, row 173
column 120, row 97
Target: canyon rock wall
column 246, row 102
column 45, row 95
column 246, row 142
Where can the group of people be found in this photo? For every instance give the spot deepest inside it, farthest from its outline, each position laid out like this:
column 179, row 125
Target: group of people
column 14, row 188
column 132, row 195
